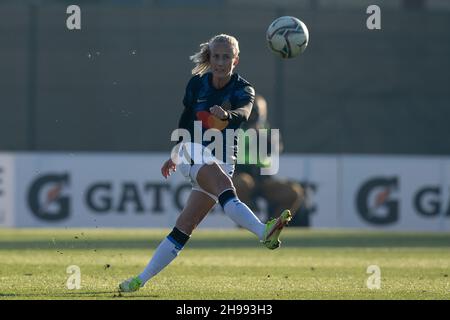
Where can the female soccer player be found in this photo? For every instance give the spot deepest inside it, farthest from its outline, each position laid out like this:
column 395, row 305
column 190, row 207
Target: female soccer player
column 220, row 100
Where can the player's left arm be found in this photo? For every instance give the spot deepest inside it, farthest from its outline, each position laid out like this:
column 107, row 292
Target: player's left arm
column 242, row 107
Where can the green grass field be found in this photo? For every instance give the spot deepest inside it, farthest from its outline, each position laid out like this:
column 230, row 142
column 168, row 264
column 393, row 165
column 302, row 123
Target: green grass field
column 227, row 265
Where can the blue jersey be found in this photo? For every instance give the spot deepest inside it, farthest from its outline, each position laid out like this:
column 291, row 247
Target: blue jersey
column 236, row 98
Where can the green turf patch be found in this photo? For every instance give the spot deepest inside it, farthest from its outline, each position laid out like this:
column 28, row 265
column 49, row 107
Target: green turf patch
column 311, row 264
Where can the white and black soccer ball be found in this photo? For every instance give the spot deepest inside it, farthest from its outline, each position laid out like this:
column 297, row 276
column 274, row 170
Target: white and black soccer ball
column 287, row 36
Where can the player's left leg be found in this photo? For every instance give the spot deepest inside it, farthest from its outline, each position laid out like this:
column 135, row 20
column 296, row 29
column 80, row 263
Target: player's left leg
column 197, row 207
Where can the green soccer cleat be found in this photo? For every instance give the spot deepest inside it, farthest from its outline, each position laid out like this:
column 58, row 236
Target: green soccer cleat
column 130, row 285
column 273, row 229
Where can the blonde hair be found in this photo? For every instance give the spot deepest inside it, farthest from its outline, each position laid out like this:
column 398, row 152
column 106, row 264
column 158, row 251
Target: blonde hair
column 201, row 58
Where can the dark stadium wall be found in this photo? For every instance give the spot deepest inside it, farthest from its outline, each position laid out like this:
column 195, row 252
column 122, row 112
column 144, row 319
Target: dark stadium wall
column 117, row 84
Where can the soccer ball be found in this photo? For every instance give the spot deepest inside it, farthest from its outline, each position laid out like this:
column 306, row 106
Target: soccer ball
column 287, row 36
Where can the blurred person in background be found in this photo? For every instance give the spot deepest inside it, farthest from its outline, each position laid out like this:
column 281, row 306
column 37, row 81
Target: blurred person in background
column 251, row 185
column 218, row 99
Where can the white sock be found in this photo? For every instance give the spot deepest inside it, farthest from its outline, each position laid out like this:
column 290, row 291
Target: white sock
column 165, row 253
column 241, row 214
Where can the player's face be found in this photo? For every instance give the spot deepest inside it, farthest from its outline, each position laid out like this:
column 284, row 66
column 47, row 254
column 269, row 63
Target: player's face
column 222, row 60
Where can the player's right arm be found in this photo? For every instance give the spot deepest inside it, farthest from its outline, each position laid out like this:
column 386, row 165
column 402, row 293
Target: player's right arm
column 185, row 122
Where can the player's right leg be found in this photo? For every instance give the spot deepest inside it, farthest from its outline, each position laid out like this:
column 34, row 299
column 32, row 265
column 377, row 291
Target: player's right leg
column 273, row 229
column 197, row 207
column 214, row 180
column 211, row 178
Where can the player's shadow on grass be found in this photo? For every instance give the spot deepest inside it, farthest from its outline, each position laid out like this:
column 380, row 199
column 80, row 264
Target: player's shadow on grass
column 77, row 294
column 115, row 294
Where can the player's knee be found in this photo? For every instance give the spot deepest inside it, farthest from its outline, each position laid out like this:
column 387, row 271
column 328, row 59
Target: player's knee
column 297, row 196
column 288, row 194
column 244, row 182
column 299, row 191
column 248, row 180
column 291, row 193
